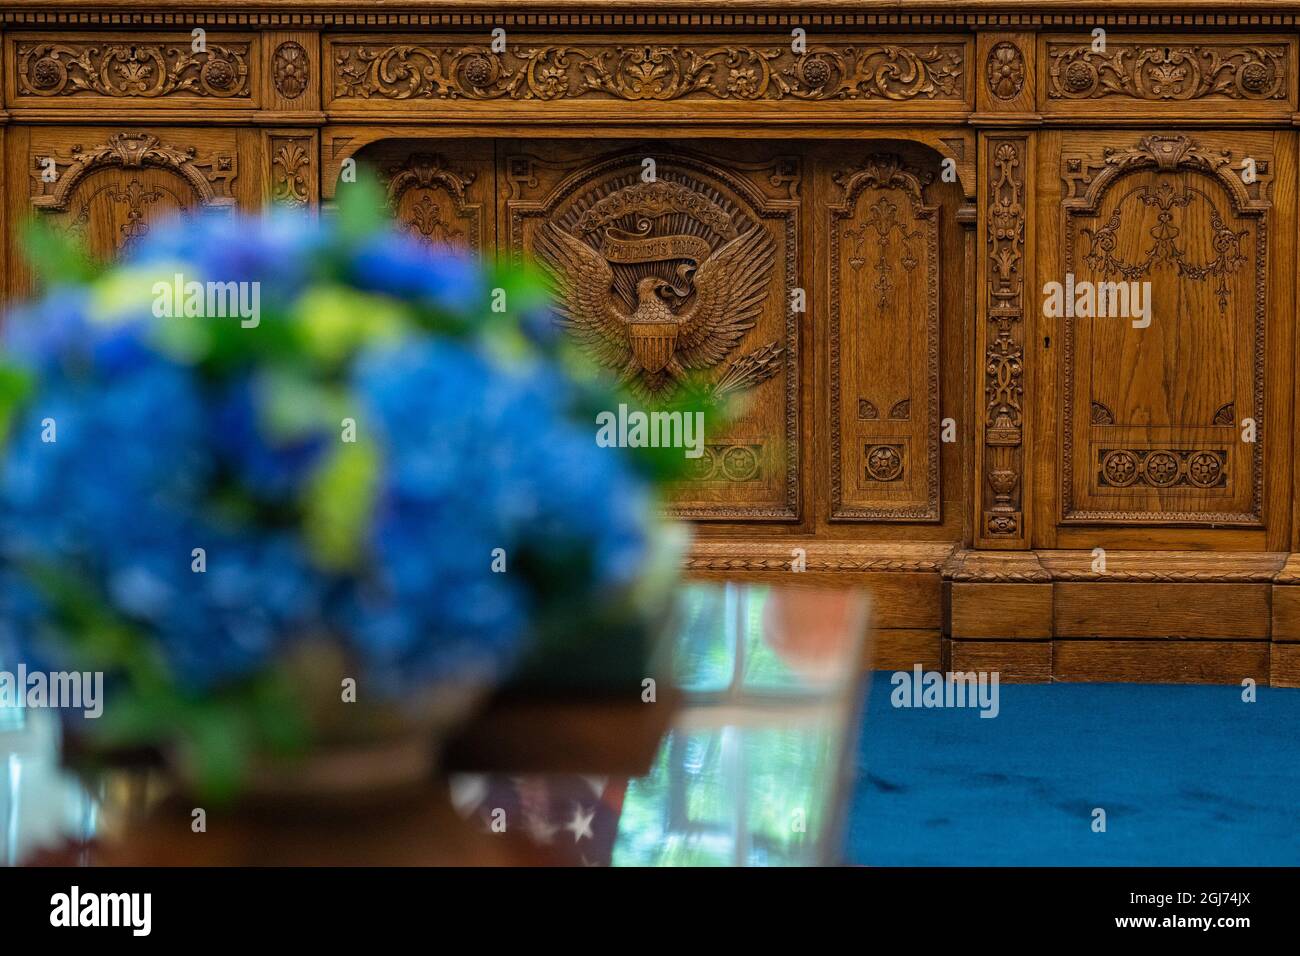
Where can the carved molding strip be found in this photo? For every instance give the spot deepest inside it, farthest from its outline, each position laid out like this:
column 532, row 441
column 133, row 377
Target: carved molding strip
column 649, row 72
column 1003, row 516
column 211, row 179
column 1144, row 71
column 146, row 69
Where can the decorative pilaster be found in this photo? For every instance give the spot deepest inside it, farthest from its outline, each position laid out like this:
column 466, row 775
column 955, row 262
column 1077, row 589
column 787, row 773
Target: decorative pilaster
column 1001, row 473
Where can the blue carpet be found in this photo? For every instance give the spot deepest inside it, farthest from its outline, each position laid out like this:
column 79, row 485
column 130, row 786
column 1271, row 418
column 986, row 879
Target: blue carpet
column 1187, row 775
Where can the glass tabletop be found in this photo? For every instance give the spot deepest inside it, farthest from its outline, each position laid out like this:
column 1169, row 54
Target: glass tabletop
column 757, row 767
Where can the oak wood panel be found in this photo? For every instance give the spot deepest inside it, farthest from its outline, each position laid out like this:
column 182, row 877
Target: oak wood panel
column 1024, row 662
column 1284, row 665
column 1130, row 414
column 902, row 648
column 1286, row 614
column 1223, row 611
column 1001, row 611
column 1162, row 662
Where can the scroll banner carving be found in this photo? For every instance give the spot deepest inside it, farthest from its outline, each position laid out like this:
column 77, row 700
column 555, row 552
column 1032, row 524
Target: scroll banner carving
column 1002, row 517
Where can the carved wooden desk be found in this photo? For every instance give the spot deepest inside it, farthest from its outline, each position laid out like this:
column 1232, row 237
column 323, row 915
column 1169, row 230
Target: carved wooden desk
column 873, row 198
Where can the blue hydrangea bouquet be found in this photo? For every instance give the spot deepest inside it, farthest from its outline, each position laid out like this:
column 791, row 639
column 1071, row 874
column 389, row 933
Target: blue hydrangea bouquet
column 261, row 464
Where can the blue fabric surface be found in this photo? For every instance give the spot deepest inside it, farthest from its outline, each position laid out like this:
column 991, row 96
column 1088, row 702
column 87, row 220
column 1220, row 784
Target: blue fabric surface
column 1187, row 775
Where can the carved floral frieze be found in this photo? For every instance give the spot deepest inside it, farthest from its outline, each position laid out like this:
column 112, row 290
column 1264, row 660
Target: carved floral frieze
column 886, row 71
column 144, row 69
column 1149, row 71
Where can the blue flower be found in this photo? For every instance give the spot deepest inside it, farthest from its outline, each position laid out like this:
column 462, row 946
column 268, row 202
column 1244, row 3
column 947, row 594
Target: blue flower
column 396, row 265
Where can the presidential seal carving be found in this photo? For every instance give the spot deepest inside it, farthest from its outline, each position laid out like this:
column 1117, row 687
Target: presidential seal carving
column 659, row 280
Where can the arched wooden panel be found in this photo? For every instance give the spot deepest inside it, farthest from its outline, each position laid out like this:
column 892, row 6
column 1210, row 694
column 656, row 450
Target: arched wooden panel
column 1165, row 233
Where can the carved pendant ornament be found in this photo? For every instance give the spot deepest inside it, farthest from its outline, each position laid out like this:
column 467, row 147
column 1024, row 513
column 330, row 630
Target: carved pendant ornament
column 649, row 72
column 658, row 279
column 132, row 70
column 1165, row 240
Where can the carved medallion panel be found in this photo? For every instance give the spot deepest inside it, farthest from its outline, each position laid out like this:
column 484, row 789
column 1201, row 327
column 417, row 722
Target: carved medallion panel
column 1161, row 303
column 669, row 265
column 884, row 342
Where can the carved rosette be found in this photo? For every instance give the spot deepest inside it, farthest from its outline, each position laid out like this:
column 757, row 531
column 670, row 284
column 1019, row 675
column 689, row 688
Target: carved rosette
column 1005, row 71
column 929, row 71
column 132, row 70
column 1162, row 467
column 1004, row 338
column 289, row 70
column 1167, row 72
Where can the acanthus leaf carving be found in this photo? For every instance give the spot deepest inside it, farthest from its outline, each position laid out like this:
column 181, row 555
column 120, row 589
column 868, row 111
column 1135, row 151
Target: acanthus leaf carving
column 290, row 170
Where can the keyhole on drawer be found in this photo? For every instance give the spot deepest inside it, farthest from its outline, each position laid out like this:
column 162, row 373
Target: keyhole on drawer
column 1047, row 341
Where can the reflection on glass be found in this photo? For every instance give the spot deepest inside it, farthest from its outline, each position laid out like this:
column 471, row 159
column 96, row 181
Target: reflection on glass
column 754, row 772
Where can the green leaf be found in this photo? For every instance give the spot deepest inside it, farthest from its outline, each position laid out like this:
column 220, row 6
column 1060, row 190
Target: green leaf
column 57, row 256
column 362, row 206
column 338, row 504
column 15, row 386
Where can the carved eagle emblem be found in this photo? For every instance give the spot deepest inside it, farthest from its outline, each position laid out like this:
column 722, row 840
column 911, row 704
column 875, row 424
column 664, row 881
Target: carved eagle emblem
column 669, row 328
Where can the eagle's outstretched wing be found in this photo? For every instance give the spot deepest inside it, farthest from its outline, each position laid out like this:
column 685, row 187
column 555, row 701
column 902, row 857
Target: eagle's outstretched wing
column 582, row 286
column 730, row 287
